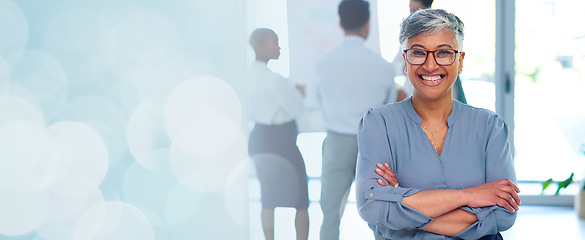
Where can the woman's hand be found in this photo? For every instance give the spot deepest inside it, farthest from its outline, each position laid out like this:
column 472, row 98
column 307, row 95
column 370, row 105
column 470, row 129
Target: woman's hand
column 503, row 193
column 386, row 172
column 301, row 89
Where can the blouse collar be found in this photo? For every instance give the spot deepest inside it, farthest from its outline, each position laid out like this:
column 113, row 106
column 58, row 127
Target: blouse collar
column 416, row 118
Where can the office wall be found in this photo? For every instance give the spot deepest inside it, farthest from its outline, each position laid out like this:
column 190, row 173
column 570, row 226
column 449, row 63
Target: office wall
column 313, row 30
column 122, row 120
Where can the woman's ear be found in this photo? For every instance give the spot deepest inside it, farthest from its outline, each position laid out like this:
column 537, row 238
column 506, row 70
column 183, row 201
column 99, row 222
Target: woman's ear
column 461, row 57
column 405, row 63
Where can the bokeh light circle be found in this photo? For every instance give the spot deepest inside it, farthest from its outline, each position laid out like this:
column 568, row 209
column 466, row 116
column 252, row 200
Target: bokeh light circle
column 86, row 155
column 15, row 90
column 61, row 232
column 207, row 173
column 148, row 190
column 63, row 214
column 113, row 220
column 16, row 109
column 31, row 211
column 198, row 97
column 145, row 134
column 48, row 82
column 134, row 34
column 158, row 72
column 94, row 78
column 207, row 136
column 68, row 39
column 14, row 26
column 105, row 117
column 66, row 209
column 4, row 71
column 28, row 157
column 181, row 204
column 236, row 193
column 94, row 108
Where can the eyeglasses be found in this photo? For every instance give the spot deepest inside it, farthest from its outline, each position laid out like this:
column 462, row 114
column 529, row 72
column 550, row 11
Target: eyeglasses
column 443, row 57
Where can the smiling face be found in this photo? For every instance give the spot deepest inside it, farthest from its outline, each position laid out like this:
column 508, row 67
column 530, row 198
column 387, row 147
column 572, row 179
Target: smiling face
column 432, row 81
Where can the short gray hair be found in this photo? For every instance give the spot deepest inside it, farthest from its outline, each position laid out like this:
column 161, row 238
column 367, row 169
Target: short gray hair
column 430, row 21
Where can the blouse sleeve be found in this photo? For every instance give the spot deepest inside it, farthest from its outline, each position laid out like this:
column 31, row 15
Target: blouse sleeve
column 312, row 95
column 379, row 205
column 289, row 97
column 499, row 165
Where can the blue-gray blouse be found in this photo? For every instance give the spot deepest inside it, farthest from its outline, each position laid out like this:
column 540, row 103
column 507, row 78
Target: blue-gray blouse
column 475, row 151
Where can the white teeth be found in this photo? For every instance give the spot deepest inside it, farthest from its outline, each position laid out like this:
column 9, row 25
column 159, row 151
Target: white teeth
column 431, row 78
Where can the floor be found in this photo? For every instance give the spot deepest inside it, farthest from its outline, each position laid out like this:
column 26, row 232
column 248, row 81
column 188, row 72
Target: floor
column 547, row 222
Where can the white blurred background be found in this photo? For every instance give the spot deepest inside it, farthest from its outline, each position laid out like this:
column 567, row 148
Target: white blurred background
column 121, row 120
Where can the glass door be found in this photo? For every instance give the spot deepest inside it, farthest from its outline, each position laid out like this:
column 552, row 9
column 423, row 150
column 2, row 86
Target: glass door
column 477, row 77
column 549, row 88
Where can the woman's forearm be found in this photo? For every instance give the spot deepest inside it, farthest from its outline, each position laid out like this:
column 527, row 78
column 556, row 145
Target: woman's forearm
column 451, row 223
column 432, row 203
column 435, row 203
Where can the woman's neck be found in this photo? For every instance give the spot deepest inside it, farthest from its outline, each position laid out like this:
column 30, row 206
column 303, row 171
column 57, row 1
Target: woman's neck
column 433, row 113
column 264, row 60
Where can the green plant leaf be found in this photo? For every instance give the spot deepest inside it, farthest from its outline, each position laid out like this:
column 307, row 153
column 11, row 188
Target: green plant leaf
column 565, row 183
column 545, row 184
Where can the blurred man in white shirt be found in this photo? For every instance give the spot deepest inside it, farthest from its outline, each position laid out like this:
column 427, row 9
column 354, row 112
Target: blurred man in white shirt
column 350, row 79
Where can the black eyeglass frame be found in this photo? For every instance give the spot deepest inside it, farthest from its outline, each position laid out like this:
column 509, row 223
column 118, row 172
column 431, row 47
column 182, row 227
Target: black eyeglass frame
column 427, row 53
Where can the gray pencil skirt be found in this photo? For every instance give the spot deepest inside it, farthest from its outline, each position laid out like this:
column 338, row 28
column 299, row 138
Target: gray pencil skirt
column 279, row 165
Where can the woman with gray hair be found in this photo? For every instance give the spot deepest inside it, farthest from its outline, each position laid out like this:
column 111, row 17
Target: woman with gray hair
column 430, row 167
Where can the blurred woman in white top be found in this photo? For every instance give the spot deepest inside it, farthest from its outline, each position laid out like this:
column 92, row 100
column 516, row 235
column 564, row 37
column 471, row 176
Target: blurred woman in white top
column 274, row 105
